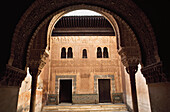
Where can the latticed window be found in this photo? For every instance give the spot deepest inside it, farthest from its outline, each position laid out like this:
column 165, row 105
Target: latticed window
column 105, row 53
column 84, row 53
column 63, row 52
column 69, row 53
column 99, row 52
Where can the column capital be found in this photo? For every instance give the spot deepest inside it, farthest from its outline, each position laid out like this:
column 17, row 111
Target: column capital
column 129, row 57
column 36, row 66
column 131, row 70
column 12, row 76
column 37, row 62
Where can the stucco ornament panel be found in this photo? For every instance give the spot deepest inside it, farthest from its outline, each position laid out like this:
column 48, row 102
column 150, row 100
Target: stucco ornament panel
column 41, row 11
column 12, row 76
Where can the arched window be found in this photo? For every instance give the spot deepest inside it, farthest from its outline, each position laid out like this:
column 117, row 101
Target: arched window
column 105, row 53
column 99, row 52
column 84, row 53
column 63, row 52
column 69, row 53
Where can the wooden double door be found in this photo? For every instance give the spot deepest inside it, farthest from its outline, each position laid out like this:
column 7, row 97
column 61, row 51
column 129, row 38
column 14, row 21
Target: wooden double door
column 65, row 92
column 104, row 90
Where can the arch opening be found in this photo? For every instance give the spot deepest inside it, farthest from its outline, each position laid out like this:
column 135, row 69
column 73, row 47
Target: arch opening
column 84, row 53
column 63, row 52
column 109, row 17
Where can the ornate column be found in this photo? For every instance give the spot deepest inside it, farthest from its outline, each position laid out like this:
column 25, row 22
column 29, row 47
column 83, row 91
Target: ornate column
column 34, row 73
column 35, row 67
column 10, row 82
column 131, row 70
column 131, row 60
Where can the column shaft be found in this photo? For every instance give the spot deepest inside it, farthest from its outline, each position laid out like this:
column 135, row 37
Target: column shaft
column 131, row 71
column 133, row 92
column 33, row 93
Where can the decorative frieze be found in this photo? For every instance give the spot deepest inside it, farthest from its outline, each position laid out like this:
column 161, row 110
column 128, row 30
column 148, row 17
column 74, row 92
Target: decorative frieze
column 76, row 63
column 90, row 69
column 12, row 76
column 154, row 73
column 82, row 39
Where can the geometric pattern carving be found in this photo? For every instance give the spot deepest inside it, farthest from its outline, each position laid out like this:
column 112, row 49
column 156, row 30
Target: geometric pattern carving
column 41, row 11
column 35, row 15
column 12, row 76
column 154, row 73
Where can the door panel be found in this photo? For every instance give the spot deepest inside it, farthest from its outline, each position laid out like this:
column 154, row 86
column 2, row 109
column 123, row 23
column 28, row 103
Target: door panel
column 104, row 90
column 65, row 93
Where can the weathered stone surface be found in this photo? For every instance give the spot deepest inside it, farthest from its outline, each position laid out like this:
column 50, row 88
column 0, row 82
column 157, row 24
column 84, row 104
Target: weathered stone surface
column 85, row 98
column 86, row 108
column 117, row 97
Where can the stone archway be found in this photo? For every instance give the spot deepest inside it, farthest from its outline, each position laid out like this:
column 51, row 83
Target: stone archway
column 127, row 44
column 131, row 21
column 39, row 13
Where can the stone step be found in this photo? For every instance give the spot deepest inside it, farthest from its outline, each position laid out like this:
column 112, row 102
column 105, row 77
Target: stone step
column 85, row 108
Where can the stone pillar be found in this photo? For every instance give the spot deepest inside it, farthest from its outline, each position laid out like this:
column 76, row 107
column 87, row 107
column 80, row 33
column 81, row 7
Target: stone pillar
column 10, row 82
column 131, row 70
column 33, row 92
column 34, row 71
column 130, row 59
column 35, row 67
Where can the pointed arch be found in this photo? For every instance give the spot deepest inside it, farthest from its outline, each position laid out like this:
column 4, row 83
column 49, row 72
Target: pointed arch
column 63, row 52
column 84, row 53
column 99, row 52
column 70, row 53
column 105, row 52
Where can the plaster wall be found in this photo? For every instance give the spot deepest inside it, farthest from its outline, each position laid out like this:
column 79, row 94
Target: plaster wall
column 85, row 69
column 160, row 97
column 8, row 98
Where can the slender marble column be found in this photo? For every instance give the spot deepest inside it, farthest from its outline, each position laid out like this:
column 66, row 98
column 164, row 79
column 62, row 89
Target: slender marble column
column 33, row 93
column 131, row 70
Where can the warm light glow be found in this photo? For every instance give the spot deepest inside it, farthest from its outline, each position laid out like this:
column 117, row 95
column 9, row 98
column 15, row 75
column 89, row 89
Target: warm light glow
column 82, row 12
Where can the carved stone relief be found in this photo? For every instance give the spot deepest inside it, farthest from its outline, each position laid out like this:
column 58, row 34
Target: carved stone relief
column 12, row 76
column 34, row 19
column 154, row 73
column 30, row 20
